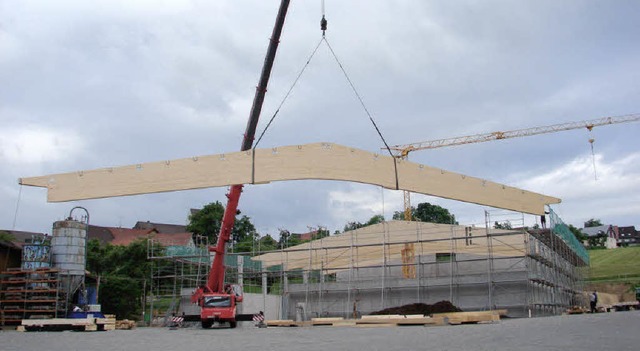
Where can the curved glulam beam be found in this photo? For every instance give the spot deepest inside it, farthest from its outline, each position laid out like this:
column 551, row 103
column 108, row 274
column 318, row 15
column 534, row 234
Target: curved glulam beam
column 310, row 161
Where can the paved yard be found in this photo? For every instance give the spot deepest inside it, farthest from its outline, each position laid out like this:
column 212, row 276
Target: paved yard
column 606, row 331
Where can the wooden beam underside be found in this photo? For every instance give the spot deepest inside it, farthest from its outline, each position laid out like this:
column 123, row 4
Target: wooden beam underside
column 323, row 161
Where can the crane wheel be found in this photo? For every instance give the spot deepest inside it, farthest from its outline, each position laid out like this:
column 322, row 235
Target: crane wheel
column 233, row 324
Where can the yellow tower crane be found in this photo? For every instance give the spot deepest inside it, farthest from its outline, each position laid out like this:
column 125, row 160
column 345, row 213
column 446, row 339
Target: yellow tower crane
column 402, row 151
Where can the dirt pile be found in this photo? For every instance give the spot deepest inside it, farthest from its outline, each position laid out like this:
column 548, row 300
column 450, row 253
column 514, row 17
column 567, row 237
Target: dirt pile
column 420, row 308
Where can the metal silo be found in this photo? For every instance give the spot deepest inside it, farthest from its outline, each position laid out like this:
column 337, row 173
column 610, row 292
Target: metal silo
column 68, row 252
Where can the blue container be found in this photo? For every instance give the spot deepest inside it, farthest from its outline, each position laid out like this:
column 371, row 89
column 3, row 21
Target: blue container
column 91, row 297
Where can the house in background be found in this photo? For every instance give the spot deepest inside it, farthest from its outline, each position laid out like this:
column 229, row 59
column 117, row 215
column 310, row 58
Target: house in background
column 160, row 233
column 628, row 236
column 609, row 231
column 161, row 227
column 170, row 244
column 102, row 234
column 305, row 236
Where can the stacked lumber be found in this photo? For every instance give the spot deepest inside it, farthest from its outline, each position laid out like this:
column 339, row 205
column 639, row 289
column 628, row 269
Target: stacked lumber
column 77, row 324
column 125, row 324
column 399, row 320
column 471, row 317
column 49, row 324
column 106, row 323
column 281, row 323
column 576, row 310
column 452, row 318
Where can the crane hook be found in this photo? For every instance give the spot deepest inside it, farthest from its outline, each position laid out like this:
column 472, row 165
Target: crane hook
column 323, row 25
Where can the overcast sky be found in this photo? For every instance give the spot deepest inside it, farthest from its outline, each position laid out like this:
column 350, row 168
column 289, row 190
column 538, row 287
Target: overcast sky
column 91, row 84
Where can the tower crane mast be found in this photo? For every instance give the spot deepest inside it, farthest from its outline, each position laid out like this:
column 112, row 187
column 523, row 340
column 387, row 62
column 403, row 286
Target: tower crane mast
column 402, row 151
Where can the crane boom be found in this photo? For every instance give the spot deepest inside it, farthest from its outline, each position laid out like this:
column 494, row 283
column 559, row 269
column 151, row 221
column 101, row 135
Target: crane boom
column 216, row 275
column 403, row 150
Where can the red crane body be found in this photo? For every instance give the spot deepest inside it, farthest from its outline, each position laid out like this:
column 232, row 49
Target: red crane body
column 217, row 301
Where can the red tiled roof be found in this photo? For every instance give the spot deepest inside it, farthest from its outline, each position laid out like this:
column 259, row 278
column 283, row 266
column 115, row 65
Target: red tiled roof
column 161, row 227
column 306, row 236
column 124, row 236
column 178, row 239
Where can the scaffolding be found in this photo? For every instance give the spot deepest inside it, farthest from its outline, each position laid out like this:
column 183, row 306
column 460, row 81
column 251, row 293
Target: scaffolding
column 498, row 264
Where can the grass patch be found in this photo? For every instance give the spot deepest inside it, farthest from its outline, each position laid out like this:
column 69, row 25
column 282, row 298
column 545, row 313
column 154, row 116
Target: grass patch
column 615, row 264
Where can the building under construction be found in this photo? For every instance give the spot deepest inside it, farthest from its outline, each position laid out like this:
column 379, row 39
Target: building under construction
column 528, row 272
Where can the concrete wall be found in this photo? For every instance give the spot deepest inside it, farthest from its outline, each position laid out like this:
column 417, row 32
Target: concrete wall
column 469, row 292
column 271, row 305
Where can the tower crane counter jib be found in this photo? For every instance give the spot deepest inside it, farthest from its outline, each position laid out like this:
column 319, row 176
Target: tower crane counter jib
column 218, row 301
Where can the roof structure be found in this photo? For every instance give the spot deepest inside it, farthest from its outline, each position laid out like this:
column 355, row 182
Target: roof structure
column 608, row 229
column 103, row 234
column 124, row 236
column 368, row 246
column 161, row 227
column 174, row 239
column 21, row 238
column 305, row 236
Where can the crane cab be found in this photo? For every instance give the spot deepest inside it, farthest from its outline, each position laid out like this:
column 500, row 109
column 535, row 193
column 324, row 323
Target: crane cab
column 220, row 307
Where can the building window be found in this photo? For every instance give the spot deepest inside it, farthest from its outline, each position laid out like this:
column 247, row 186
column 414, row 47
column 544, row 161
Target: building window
column 445, row 256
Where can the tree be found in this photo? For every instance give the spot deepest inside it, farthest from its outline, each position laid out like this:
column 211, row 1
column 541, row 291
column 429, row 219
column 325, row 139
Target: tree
column 375, row 220
column 577, row 233
column 268, row 243
column 286, row 239
column 6, row 236
column 243, row 229
column 426, row 212
column 208, row 220
column 503, row 225
column 322, row 232
column 248, row 244
column 592, row 223
column 355, row 225
column 352, row 226
column 597, row 241
column 123, row 270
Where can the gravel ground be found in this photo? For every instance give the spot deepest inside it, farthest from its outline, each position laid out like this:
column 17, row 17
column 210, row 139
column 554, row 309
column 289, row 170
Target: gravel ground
column 606, row 331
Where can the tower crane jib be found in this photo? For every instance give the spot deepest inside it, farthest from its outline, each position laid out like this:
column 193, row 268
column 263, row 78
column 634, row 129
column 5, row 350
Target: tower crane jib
column 402, row 151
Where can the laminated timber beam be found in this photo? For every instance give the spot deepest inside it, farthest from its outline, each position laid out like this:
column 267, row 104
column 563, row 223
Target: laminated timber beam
column 323, row 161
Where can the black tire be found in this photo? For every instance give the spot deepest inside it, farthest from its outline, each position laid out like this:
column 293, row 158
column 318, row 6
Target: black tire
column 233, row 324
column 206, row 324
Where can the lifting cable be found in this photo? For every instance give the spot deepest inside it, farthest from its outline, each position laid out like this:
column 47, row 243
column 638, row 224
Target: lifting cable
column 15, row 215
column 323, row 27
column 593, row 158
column 593, row 155
column 287, row 94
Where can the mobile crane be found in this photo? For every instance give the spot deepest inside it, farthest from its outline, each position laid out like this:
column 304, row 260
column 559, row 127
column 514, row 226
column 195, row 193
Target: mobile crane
column 218, row 302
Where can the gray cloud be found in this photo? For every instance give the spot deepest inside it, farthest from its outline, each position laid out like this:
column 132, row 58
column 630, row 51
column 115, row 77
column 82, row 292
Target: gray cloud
column 125, row 82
